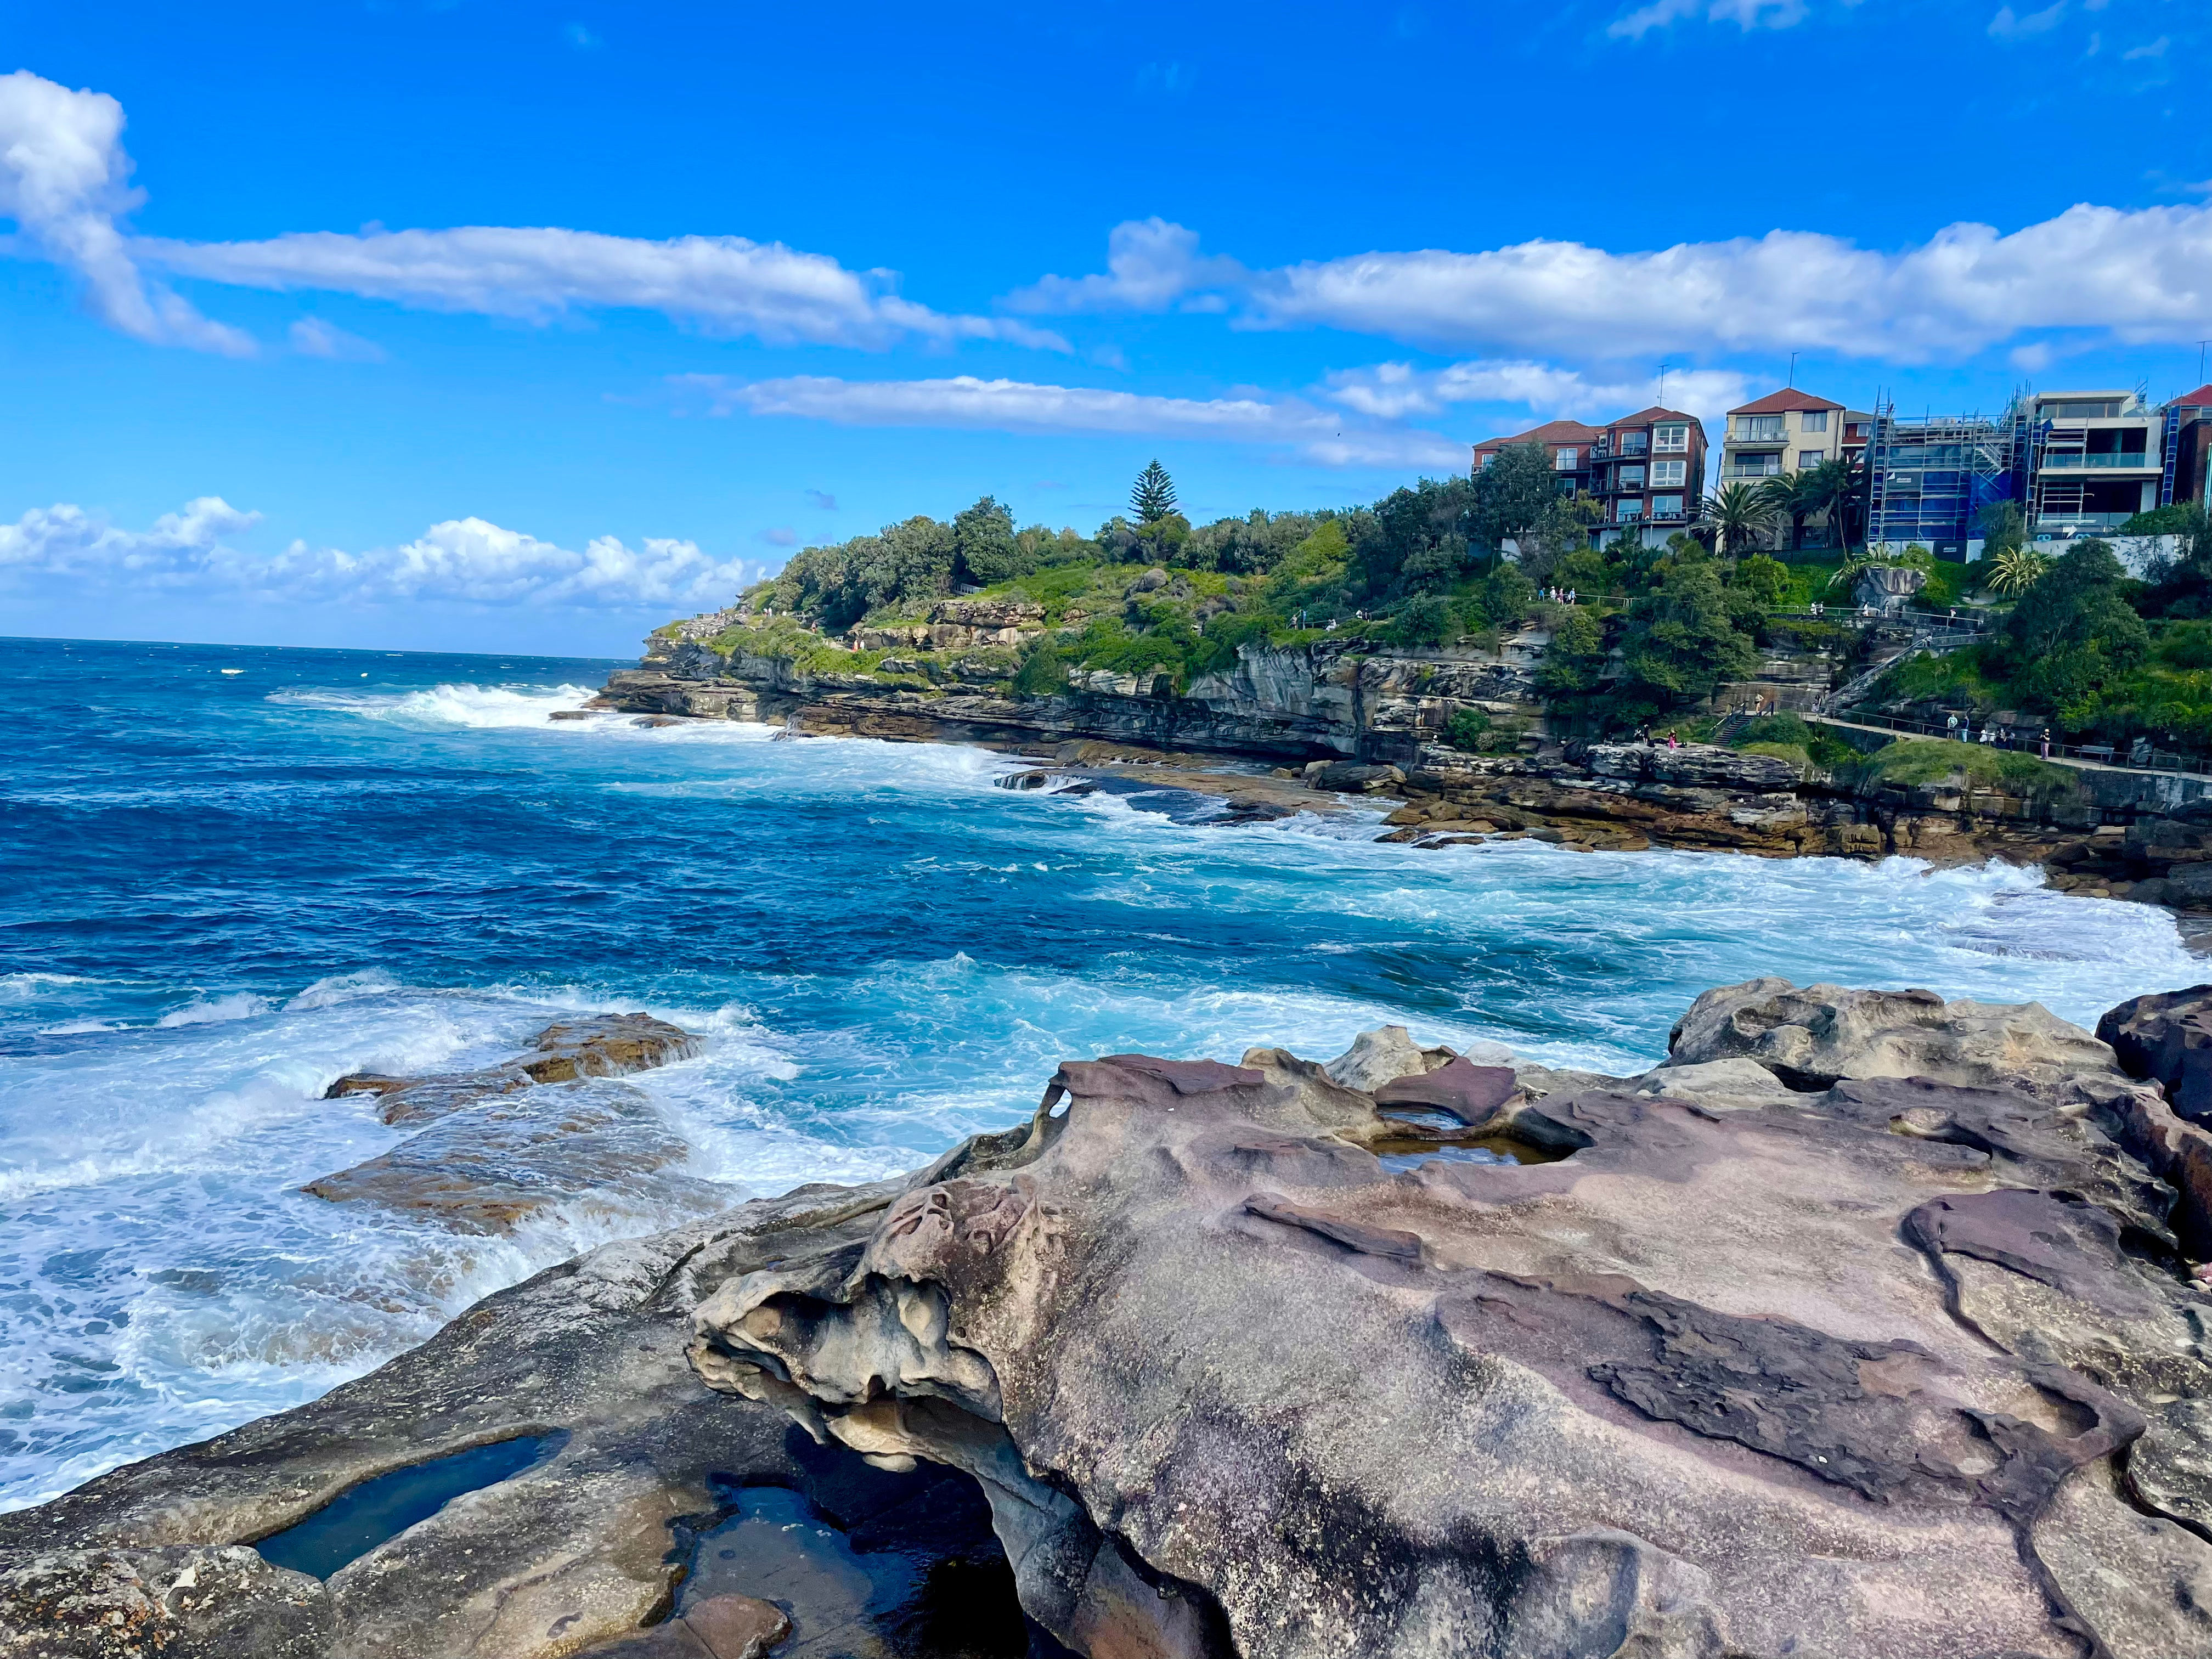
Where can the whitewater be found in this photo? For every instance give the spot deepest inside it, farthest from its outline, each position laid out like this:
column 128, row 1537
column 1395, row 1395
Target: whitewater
column 233, row 874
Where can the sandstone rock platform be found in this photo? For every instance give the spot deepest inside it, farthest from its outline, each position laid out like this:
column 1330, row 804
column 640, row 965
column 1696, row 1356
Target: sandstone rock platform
column 1863, row 1327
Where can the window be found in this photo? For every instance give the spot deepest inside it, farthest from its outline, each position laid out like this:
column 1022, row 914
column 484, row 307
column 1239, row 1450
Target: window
column 1567, row 459
column 1630, row 477
column 1815, row 420
column 1759, row 428
column 1488, row 456
column 1669, row 472
column 1810, row 458
column 1627, row 512
column 1673, row 437
column 1634, row 443
column 1666, row 507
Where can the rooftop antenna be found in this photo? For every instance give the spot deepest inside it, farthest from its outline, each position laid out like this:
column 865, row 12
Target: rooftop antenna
column 1793, row 370
column 2201, row 344
column 1662, row 386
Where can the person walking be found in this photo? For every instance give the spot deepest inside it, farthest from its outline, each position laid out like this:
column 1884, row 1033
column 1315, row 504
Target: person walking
column 1951, row 726
column 2047, row 743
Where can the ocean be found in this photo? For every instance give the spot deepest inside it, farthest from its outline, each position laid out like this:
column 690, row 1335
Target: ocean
column 232, row 874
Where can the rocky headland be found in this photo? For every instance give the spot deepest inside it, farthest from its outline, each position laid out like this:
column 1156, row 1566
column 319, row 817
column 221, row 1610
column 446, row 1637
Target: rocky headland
column 1361, row 719
column 1867, row 1326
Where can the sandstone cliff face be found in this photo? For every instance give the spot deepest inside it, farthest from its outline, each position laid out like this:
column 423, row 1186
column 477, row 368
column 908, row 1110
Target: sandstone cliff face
column 1284, row 704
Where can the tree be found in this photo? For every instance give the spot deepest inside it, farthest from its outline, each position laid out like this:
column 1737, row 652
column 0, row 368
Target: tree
column 1765, row 579
column 1425, row 619
column 1799, row 495
column 1736, row 516
column 2014, row 570
column 1562, row 528
column 2003, row 527
column 1511, row 494
column 1153, row 495
column 983, row 545
column 1680, row 643
column 2073, row 633
column 1575, row 658
column 1040, row 674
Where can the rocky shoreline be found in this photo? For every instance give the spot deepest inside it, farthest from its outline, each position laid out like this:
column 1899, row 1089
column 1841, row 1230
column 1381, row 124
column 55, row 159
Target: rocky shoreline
column 1339, row 722
column 1866, row 1324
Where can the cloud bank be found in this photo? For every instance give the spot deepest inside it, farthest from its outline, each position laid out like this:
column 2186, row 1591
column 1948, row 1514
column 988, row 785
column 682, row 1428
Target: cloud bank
column 2141, row 275
column 461, row 561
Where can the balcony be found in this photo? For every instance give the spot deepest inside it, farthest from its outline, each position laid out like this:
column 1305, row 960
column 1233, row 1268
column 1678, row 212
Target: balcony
column 2080, row 523
column 1759, row 434
column 2128, row 460
column 1744, row 470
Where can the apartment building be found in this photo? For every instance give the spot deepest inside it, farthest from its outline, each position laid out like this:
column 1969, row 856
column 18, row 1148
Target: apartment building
column 2188, row 475
column 1648, row 470
column 2095, row 460
column 1569, row 443
column 1789, row 431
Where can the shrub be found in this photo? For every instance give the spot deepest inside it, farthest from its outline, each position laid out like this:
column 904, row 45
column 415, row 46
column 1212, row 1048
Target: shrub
column 1467, row 729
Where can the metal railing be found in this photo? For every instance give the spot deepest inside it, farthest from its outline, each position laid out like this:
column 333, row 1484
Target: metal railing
column 2136, row 460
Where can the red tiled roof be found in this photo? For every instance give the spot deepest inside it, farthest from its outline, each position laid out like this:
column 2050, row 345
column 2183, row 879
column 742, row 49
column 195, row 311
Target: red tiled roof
column 2199, row 399
column 1551, row 431
column 1774, row 403
column 1645, row 417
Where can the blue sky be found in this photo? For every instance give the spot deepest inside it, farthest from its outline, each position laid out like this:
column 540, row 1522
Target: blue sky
column 464, row 324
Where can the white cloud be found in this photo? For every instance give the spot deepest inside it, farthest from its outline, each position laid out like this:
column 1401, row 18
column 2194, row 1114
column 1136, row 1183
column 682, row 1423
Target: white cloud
column 62, row 179
column 1746, row 14
column 726, row 285
column 2141, row 274
column 965, row 402
column 1393, row 392
column 2152, row 48
column 62, row 173
column 1151, row 264
column 311, row 336
column 2008, row 26
column 464, row 561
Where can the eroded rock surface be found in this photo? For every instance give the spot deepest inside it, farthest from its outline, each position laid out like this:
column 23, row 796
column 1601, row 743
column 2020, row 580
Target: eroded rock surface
column 1852, row 1370
column 1864, row 1361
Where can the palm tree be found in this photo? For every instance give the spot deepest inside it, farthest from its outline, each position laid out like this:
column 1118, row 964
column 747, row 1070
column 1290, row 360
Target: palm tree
column 2014, row 570
column 1736, row 516
column 1798, row 496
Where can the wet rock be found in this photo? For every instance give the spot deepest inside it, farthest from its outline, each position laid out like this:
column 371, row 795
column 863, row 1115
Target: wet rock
column 597, row 1149
column 583, row 1549
column 2167, row 1039
column 607, row 1045
column 1816, row 1036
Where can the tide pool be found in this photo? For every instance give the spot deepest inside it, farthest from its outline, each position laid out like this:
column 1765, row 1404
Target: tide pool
column 232, row 874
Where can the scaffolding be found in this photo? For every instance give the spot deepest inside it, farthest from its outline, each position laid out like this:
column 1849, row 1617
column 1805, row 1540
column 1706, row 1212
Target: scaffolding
column 1929, row 476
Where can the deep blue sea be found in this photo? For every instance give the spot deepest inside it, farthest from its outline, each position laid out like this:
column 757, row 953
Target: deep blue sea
column 232, row 874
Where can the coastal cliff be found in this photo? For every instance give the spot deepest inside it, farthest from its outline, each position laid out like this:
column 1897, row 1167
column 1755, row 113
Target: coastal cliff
column 1865, row 1324
column 1353, row 716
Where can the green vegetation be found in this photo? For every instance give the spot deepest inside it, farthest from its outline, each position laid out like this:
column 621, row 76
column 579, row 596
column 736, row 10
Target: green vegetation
column 1939, row 760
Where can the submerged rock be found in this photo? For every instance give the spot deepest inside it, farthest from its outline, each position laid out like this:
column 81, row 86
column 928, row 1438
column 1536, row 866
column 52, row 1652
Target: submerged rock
column 505, row 1151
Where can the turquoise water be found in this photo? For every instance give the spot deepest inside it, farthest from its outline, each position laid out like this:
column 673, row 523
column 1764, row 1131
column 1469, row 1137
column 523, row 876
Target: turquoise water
column 232, row 874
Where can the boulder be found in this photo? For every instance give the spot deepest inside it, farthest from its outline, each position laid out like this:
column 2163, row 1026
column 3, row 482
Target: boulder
column 607, row 1045
column 1383, row 1055
column 2167, row 1039
column 1814, row 1036
column 1719, row 1085
column 1888, row 586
